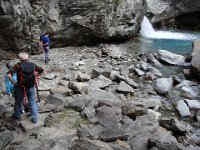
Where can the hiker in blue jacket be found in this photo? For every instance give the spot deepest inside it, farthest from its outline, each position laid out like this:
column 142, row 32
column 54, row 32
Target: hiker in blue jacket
column 45, row 42
column 9, row 85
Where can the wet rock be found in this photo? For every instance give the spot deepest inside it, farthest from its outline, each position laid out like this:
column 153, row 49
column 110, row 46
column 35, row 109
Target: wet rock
column 171, row 58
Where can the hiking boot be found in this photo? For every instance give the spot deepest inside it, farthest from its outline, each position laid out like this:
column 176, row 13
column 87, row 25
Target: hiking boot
column 46, row 62
column 15, row 118
column 33, row 120
column 48, row 59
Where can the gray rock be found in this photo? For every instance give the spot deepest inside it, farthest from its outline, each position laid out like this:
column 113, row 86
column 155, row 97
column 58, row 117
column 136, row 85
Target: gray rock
column 171, row 58
column 78, row 87
column 83, row 77
column 86, row 144
column 101, row 82
column 164, row 10
column 2, row 110
column 193, row 104
column 112, row 133
column 107, row 116
column 163, row 85
column 173, row 124
column 90, row 113
column 164, row 140
column 133, row 109
column 155, row 71
column 92, row 132
column 183, row 109
column 98, row 94
column 195, row 57
column 125, row 88
column 140, row 130
column 139, row 72
column 57, row 100
column 124, row 71
column 5, row 139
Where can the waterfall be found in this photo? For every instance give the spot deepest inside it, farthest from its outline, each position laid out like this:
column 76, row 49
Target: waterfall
column 148, row 31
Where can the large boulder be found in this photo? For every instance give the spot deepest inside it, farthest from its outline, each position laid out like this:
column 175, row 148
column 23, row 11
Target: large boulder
column 86, row 21
column 195, row 63
column 172, row 14
column 167, row 9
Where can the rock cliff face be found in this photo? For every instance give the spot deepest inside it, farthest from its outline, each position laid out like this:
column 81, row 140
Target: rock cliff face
column 70, row 22
column 78, row 22
column 165, row 10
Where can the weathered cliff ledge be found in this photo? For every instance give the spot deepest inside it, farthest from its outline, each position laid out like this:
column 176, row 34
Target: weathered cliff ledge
column 70, row 22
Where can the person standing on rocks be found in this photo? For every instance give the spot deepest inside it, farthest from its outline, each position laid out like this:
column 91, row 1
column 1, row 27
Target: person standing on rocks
column 45, row 42
column 25, row 85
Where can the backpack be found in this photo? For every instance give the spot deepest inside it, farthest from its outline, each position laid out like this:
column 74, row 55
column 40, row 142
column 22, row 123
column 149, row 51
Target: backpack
column 41, row 37
column 27, row 75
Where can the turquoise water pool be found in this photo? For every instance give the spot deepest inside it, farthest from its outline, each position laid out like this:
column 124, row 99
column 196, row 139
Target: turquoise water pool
column 143, row 44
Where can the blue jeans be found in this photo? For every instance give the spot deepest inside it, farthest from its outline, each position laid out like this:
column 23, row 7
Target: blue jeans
column 19, row 97
column 46, row 53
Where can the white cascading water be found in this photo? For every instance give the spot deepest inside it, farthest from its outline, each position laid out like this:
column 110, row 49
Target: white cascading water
column 147, row 30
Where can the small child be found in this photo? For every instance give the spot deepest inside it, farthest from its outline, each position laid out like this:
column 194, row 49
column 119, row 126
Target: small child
column 9, row 85
column 10, row 88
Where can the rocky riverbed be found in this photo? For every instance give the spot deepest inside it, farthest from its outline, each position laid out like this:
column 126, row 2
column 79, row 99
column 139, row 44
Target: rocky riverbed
column 104, row 98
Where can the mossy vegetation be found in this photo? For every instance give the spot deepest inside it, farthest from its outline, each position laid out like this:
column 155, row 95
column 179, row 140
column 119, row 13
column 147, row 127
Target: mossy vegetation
column 80, row 121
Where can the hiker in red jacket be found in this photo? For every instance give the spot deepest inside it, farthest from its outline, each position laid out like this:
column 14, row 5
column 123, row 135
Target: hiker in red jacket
column 25, row 85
